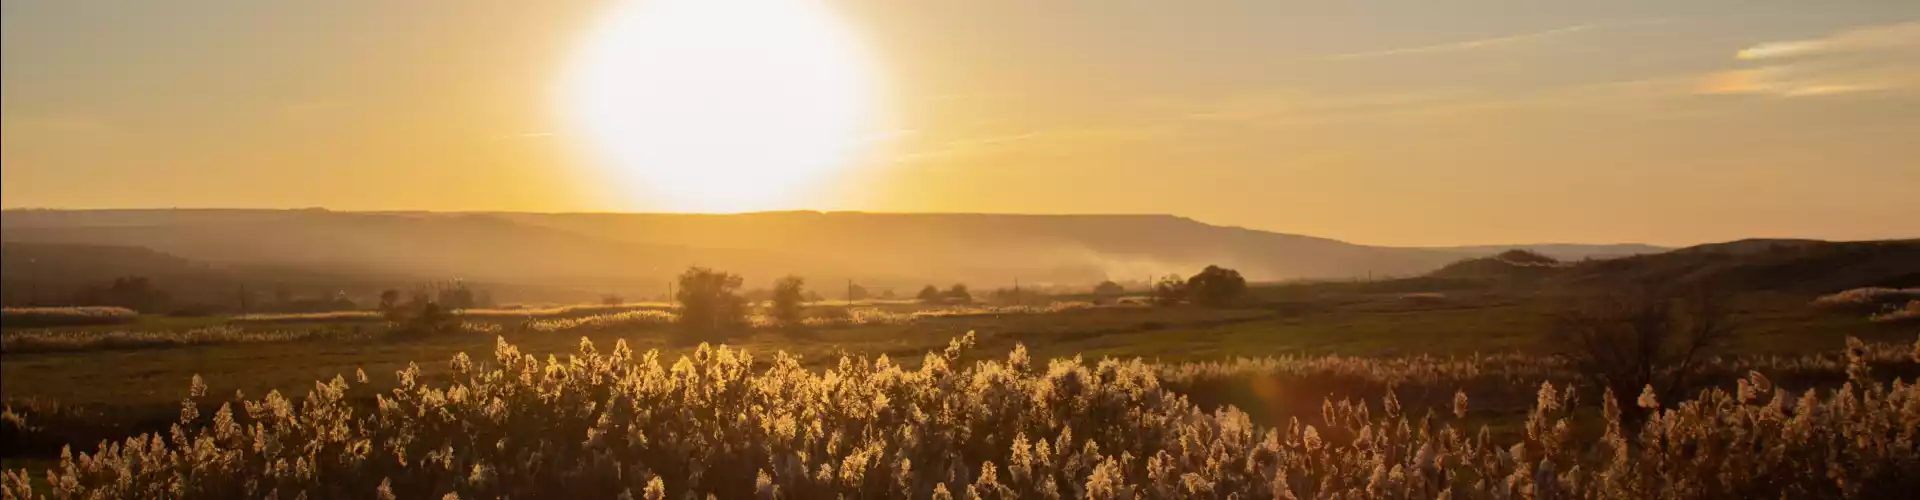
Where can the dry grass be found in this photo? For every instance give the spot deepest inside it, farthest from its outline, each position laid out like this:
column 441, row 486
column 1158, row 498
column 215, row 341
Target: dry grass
column 42, row 317
column 319, row 317
column 54, row 341
column 721, row 422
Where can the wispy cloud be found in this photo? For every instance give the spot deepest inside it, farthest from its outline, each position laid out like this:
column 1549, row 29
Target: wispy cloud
column 1465, row 45
column 1859, row 60
column 1866, row 39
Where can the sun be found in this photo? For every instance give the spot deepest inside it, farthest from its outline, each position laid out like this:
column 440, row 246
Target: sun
column 720, row 105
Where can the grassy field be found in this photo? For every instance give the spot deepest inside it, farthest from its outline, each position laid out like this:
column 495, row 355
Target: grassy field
column 1356, row 324
column 82, row 397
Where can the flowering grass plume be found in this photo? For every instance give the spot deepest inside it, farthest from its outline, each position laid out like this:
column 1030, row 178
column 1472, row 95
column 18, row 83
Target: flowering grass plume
column 724, row 423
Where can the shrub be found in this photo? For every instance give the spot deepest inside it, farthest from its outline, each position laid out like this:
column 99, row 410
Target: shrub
column 929, row 295
column 41, row 317
column 1627, row 340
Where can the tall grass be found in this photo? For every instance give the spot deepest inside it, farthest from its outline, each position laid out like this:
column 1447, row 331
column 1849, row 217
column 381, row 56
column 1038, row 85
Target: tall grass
column 1869, row 299
column 43, row 317
column 723, row 423
column 30, row 341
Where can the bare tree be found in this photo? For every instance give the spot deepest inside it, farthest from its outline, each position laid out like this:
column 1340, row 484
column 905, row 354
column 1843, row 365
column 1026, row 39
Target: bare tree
column 1629, row 340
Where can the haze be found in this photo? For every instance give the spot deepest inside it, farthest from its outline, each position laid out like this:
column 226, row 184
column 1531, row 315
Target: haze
column 1387, row 123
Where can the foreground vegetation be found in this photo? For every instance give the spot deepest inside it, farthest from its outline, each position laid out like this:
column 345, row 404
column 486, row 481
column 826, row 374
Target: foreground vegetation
column 624, row 424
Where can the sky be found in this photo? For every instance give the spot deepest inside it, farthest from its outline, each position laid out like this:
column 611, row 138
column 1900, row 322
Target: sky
column 1411, row 122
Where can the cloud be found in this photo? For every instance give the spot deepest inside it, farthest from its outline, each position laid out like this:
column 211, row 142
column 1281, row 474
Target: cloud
column 1466, row 45
column 1884, row 37
column 1879, row 58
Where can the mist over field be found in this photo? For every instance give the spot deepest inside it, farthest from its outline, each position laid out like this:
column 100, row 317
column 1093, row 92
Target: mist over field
column 591, row 253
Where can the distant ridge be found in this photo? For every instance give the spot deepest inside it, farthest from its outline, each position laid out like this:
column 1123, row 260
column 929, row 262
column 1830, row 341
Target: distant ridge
column 604, row 250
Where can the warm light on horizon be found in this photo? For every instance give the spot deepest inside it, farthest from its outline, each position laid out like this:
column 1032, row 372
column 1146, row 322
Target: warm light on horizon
column 720, row 105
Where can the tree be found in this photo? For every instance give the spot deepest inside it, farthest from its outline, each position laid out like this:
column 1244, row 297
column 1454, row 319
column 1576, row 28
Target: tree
column 1637, row 339
column 456, row 296
column 1108, row 289
column 959, row 293
column 1169, row 290
column 788, row 297
column 389, row 299
column 612, row 300
column 132, row 292
column 1216, row 286
column 929, row 295
column 856, row 292
column 709, row 299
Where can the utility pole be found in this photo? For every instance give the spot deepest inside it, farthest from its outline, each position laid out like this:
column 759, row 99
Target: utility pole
column 1017, row 300
column 849, row 292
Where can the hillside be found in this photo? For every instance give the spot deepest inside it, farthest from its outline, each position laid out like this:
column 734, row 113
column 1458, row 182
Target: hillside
column 1788, row 266
column 605, row 251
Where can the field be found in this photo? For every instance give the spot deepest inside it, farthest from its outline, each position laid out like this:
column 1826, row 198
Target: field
column 1294, row 346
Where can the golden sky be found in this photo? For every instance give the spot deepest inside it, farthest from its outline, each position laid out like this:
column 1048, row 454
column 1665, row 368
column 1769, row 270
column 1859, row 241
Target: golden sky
column 1412, row 122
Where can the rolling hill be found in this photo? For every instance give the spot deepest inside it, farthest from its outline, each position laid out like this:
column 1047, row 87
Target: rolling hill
column 618, row 251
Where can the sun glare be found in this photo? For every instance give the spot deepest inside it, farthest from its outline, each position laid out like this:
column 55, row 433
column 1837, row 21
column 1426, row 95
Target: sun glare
column 720, row 105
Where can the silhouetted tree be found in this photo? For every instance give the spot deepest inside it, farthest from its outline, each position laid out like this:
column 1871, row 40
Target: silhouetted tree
column 856, row 292
column 1216, row 286
column 132, row 292
column 612, row 300
column 930, row 294
column 958, row 293
column 1634, row 339
column 787, row 300
column 1108, row 289
column 1169, row 290
column 709, row 299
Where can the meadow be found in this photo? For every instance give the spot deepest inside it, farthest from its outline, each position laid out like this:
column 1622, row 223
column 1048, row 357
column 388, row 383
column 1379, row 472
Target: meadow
column 1266, row 365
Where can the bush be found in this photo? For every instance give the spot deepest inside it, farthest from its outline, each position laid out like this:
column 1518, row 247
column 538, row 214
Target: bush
column 44, row 317
column 1627, row 340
